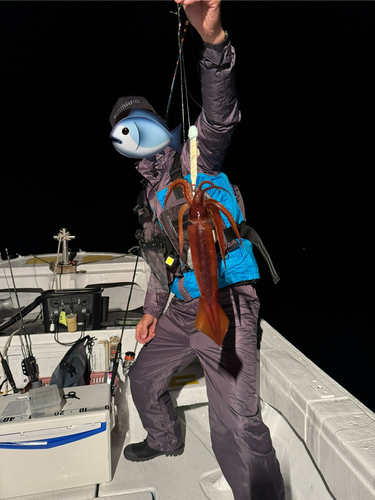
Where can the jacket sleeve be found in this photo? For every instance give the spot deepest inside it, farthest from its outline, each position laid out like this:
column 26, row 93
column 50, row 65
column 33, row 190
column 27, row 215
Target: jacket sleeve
column 156, row 298
column 220, row 113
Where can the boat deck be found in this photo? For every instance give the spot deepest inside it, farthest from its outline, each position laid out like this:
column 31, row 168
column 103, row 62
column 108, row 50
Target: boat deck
column 160, row 479
column 324, row 438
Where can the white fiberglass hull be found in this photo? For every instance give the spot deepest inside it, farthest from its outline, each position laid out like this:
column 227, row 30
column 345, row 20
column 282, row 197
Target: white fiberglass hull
column 323, row 436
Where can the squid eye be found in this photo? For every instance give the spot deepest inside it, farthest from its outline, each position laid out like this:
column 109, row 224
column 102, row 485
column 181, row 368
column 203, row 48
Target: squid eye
column 125, row 131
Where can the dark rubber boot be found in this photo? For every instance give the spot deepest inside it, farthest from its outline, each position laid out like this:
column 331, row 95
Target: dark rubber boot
column 140, row 452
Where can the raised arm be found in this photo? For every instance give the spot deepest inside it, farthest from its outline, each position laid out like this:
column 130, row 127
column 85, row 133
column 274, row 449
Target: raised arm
column 220, row 113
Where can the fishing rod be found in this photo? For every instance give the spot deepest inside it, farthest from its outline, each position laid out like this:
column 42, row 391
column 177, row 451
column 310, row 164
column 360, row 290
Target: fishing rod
column 8, row 374
column 29, row 364
column 130, row 355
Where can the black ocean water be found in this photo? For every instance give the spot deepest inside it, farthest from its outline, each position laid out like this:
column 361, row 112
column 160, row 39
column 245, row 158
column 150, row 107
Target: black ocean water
column 302, row 154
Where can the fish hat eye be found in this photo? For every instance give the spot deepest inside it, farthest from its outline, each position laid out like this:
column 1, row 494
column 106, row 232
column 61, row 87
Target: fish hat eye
column 125, row 131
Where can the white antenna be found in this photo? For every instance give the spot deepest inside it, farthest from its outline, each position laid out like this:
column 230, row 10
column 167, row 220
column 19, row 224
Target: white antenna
column 64, row 236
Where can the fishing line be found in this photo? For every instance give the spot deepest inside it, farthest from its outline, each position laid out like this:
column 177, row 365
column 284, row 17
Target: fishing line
column 182, row 73
column 179, row 63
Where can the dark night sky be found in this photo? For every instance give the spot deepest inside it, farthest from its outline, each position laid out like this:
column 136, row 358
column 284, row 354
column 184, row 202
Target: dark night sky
column 302, row 154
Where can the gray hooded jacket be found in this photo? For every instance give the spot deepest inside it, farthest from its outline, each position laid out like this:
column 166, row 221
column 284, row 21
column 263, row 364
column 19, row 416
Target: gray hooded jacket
column 216, row 124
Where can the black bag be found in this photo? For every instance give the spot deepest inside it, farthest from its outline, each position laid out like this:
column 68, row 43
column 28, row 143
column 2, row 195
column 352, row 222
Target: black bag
column 74, row 368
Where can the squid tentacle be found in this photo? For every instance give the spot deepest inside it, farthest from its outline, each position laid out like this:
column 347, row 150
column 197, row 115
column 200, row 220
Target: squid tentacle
column 218, row 223
column 185, row 187
column 213, row 207
column 211, row 318
column 228, row 216
column 212, row 185
column 222, row 208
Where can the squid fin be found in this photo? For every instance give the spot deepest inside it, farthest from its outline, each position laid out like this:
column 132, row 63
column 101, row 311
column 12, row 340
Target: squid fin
column 203, row 324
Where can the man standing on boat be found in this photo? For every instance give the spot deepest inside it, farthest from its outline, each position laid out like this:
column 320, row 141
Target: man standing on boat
column 240, row 440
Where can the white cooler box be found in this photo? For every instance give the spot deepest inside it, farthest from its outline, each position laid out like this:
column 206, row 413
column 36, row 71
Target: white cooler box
column 68, row 449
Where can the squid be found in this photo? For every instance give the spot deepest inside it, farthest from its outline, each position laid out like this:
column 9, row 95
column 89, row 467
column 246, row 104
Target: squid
column 211, row 318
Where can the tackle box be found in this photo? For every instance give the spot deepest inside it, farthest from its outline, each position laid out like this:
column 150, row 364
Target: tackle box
column 71, row 448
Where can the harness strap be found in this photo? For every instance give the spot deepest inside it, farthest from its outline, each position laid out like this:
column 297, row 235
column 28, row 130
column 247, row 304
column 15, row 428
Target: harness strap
column 176, row 170
column 250, row 234
column 176, row 173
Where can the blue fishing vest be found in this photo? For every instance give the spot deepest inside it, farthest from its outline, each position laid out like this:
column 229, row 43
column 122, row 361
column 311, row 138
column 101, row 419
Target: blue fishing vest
column 240, row 262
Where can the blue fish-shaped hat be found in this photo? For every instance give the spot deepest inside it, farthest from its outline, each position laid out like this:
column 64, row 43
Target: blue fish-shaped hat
column 141, row 133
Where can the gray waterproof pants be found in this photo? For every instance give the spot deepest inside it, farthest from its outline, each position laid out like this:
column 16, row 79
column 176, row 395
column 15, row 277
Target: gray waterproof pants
column 240, row 440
